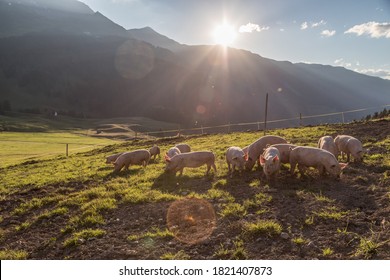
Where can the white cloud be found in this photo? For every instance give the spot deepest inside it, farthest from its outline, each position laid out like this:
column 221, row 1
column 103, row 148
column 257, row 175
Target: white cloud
column 328, row 33
column 341, row 62
column 382, row 73
column 250, row 27
column 306, row 25
column 372, row 28
column 316, row 24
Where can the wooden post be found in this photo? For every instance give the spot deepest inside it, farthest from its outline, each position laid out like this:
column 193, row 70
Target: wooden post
column 300, row 119
column 67, row 149
column 266, row 112
column 202, row 129
column 342, row 116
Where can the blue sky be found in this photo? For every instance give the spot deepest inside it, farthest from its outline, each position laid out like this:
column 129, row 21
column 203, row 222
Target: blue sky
column 353, row 34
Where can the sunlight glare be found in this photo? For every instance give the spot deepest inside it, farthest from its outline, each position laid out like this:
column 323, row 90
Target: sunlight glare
column 224, row 34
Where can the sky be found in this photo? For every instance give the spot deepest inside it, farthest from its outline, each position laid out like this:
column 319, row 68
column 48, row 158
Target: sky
column 354, row 34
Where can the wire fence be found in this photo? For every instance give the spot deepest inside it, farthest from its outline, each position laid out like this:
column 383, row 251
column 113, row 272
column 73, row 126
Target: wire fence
column 301, row 120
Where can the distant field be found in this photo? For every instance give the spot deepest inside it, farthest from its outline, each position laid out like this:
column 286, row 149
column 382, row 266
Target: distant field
column 16, row 147
column 25, row 137
column 21, row 122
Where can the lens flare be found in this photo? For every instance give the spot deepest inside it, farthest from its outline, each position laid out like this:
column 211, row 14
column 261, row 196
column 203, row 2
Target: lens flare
column 191, row 220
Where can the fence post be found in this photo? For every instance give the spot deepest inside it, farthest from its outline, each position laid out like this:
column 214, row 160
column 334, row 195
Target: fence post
column 202, row 129
column 342, row 116
column 229, row 128
column 266, row 112
column 67, row 149
column 300, row 119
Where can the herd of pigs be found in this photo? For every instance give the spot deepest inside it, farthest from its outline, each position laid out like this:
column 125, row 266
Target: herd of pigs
column 268, row 151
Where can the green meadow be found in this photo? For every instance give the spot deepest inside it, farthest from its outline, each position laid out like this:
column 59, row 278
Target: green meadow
column 55, row 206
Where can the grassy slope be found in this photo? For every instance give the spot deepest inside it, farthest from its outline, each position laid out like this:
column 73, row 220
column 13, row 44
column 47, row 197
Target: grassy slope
column 76, row 208
column 25, row 137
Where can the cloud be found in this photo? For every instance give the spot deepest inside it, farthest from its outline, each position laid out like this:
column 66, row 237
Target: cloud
column 316, row 24
column 372, row 28
column 382, row 73
column 306, row 25
column 250, row 27
column 328, row 33
column 342, row 62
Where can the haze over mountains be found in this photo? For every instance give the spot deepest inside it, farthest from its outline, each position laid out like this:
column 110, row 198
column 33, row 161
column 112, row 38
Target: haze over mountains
column 62, row 56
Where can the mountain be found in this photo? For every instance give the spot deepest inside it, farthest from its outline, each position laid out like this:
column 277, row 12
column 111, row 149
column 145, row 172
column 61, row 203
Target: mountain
column 147, row 34
column 81, row 63
column 20, row 17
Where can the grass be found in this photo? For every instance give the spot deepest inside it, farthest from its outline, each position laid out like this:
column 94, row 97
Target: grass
column 299, row 241
column 13, row 255
column 83, row 192
column 331, row 213
column 233, row 209
column 18, row 147
column 181, row 255
column 237, row 252
column 367, row 248
column 154, row 233
column 268, row 227
column 83, row 236
column 326, row 252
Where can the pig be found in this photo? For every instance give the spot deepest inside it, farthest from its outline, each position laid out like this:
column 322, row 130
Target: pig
column 172, row 152
column 257, row 148
column 270, row 161
column 321, row 159
column 137, row 157
column 350, row 146
column 183, row 147
column 235, row 157
column 112, row 158
column 284, row 151
column 327, row 143
column 192, row 160
column 245, row 149
column 154, row 151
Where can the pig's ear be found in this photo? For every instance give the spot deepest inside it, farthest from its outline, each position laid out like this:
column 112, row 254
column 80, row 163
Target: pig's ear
column 262, row 160
column 167, row 158
column 343, row 165
column 276, row 158
column 246, row 157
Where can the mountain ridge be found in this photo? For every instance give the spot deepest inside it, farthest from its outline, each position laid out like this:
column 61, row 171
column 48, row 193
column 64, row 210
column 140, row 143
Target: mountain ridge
column 91, row 66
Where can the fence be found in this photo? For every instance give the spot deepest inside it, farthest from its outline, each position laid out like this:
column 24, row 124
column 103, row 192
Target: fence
column 337, row 117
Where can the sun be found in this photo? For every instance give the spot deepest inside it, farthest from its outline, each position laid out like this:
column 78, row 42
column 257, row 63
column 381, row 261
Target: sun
column 224, row 34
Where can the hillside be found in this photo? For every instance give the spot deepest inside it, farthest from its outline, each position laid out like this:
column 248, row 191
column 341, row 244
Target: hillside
column 75, row 208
